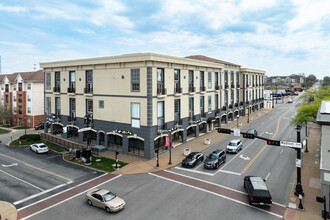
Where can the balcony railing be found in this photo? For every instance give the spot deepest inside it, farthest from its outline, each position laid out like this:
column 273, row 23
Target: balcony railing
column 224, row 108
column 232, row 85
column 177, row 90
column 217, row 87
column 237, row 85
column 192, row 88
column 202, row 88
column 20, row 112
column 230, row 106
column 6, row 90
column 57, row 89
column 241, row 103
column 71, row 90
column 161, row 89
column 226, row 86
column 19, row 100
column 88, row 89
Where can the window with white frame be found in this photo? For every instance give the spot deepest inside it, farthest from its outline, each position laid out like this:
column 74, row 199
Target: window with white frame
column 135, row 115
column 29, row 86
column 48, row 81
column 29, row 98
column 14, row 109
column 29, row 122
column 101, row 103
column 29, row 110
column 209, row 103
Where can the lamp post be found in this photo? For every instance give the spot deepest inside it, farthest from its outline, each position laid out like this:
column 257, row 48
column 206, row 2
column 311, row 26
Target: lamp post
column 299, row 189
column 157, row 152
column 170, row 140
column 306, row 138
column 237, row 120
column 25, row 124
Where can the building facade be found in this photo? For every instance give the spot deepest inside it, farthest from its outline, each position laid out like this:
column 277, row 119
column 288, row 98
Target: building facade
column 23, row 93
column 139, row 102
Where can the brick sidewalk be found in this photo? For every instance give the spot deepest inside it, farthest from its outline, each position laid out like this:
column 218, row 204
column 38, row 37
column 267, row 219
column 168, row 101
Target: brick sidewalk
column 310, row 179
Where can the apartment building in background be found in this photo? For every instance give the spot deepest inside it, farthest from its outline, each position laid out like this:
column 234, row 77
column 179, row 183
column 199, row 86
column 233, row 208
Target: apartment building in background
column 139, row 101
column 23, row 92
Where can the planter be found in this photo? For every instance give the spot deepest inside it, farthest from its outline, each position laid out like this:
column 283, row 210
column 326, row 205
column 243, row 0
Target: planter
column 186, row 151
column 207, row 141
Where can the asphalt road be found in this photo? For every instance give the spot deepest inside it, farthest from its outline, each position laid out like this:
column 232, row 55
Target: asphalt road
column 25, row 174
column 201, row 193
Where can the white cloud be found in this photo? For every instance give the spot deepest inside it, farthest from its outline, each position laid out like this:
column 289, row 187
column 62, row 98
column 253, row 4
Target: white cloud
column 256, row 5
column 309, row 12
column 12, row 8
column 84, row 31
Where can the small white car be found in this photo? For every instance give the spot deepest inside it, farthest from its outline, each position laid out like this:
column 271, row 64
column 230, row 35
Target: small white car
column 290, row 100
column 39, row 148
column 234, row 146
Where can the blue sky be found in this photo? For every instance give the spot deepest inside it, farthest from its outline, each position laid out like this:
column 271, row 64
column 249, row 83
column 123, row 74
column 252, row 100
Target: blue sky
column 281, row 37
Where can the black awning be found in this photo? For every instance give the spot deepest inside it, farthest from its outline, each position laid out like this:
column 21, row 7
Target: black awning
column 211, row 119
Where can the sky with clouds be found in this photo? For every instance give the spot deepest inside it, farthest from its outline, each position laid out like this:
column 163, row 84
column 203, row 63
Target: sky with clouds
column 282, row 37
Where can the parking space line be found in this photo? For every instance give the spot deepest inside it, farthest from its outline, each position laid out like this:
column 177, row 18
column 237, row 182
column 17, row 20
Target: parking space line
column 198, row 166
column 40, row 169
column 21, row 180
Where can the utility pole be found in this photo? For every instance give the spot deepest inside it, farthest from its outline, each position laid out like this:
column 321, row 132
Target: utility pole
column 299, row 189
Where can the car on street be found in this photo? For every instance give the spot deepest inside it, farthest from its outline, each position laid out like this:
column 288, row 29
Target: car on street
column 41, row 126
column 290, row 100
column 234, row 146
column 104, row 199
column 215, row 159
column 258, row 193
column 193, row 159
column 39, row 148
column 252, row 131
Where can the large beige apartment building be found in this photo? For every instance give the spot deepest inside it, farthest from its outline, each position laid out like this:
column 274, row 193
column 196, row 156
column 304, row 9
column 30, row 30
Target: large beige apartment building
column 138, row 100
column 23, row 92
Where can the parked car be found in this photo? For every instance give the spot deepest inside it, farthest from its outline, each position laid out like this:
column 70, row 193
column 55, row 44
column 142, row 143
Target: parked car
column 258, row 193
column 193, row 159
column 105, row 199
column 234, row 146
column 252, row 131
column 41, row 126
column 290, row 100
column 214, row 159
column 39, row 148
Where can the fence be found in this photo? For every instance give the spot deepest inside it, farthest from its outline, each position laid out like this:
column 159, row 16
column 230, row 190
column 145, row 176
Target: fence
column 64, row 143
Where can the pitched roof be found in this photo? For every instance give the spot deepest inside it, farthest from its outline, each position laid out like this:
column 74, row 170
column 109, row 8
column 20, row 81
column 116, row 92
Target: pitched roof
column 210, row 59
column 33, row 76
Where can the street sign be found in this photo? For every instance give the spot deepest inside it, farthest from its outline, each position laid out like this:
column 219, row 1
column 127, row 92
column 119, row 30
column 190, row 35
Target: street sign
column 64, row 130
column 290, row 144
column 84, row 129
column 298, row 162
column 237, row 132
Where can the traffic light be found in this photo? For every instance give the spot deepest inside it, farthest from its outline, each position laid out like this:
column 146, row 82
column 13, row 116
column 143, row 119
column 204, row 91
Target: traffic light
column 224, row 130
column 273, row 142
column 247, row 135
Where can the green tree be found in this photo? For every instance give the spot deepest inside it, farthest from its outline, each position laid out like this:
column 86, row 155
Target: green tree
column 310, row 80
column 309, row 105
column 326, row 81
column 6, row 114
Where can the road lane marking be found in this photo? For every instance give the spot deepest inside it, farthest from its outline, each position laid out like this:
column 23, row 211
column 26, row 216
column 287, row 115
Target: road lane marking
column 214, row 193
column 199, row 166
column 49, row 207
column 267, row 176
column 281, row 151
column 22, row 180
column 39, row 194
column 53, row 156
column 264, row 147
column 194, row 171
column 40, row 169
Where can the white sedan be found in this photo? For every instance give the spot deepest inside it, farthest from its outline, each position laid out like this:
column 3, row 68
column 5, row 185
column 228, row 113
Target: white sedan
column 39, row 148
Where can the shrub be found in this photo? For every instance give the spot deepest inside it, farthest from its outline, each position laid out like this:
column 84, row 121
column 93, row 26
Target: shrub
column 30, row 137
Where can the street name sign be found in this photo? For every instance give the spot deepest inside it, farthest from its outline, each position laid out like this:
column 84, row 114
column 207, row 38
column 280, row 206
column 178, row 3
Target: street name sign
column 237, row 132
column 290, row 144
column 85, row 129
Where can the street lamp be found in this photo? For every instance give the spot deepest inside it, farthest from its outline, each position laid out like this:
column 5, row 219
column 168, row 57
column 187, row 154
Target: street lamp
column 306, row 139
column 157, row 152
column 25, row 125
column 170, row 140
column 299, row 189
column 237, row 120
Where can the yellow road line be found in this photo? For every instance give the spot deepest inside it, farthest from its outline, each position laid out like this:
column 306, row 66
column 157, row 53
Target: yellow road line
column 37, row 168
column 264, row 147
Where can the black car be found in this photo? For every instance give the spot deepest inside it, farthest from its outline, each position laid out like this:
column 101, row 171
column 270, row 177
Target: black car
column 193, row 159
column 252, row 131
column 41, row 125
column 258, row 193
column 214, row 159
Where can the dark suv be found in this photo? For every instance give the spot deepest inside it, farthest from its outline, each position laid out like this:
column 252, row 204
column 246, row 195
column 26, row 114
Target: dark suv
column 214, row 159
column 257, row 191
